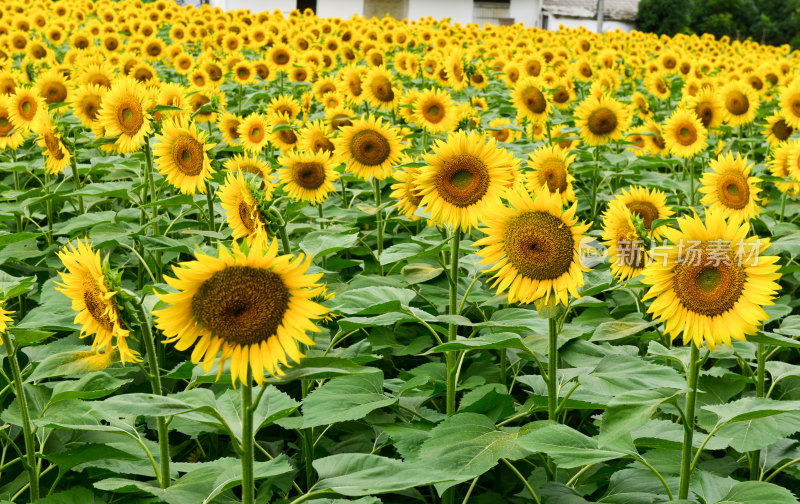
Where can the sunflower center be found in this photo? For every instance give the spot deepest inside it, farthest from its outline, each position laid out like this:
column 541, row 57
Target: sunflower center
column 433, row 112
column 534, row 100
column 96, row 304
column 246, row 216
column 382, row 89
column 53, row 146
column 553, row 173
column 256, row 134
column 561, row 95
column 737, row 103
column 130, row 117
column 644, row 209
column 340, row 121
column 187, row 153
column 27, row 108
column 5, row 126
column 781, row 130
column 287, row 136
column 733, row 190
column 322, row 143
column 90, row 107
column 705, row 112
column 501, row 135
column 55, row 92
column 602, row 121
column 709, row 287
column 463, row 180
column 687, row 135
column 539, row 245
column 309, row 175
column 370, row 148
column 241, row 304
column 281, row 57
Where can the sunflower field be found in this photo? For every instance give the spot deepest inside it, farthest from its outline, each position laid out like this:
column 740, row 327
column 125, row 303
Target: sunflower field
column 258, row 258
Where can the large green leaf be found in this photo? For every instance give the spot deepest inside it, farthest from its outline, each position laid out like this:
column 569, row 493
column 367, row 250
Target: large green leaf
column 749, row 408
column 469, row 444
column 90, row 386
column 357, row 474
column 373, row 300
column 566, row 446
column 631, row 410
column 616, row 374
column 757, row 492
column 629, row 325
column 345, row 398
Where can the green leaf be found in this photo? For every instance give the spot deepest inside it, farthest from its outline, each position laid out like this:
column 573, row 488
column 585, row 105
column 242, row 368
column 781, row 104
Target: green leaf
column 324, row 367
column 71, row 496
column 70, row 226
column 629, row 325
column 88, row 452
column 630, row 410
column 468, row 444
column 321, row 243
column 73, row 363
column 758, row 433
column 373, row 300
column 91, row 386
column 420, row 272
column 616, row 374
column 145, row 404
column 358, row 474
column 750, row 408
column 487, row 341
column 567, row 447
column 346, row 398
column 274, row 405
column 399, row 252
column 757, row 492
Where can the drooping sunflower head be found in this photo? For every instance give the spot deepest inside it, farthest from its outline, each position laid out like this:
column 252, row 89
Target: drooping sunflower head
column 405, row 192
column 740, row 103
column 465, row 178
column 712, row 283
column 601, row 120
column 123, row 114
column 790, row 104
column 182, row 155
column 434, row 110
column 253, row 132
column 307, row 176
column 532, row 246
column 626, row 248
column 777, row 130
column 530, row 99
column 88, row 288
column 684, row 134
column 242, row 211
column 646, row 204
column 251, row 306
column 56, row 155
column 550, row 168
column 369, row 148
column 729, row 189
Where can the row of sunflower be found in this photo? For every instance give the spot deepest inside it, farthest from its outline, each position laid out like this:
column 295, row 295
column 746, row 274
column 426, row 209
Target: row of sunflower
column 461, row 208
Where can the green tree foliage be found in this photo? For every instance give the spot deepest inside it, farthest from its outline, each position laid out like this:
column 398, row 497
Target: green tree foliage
column 664, row 16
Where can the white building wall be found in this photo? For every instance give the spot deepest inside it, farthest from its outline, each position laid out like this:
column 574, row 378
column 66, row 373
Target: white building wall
column 525, row 11
column 256, row 6
column 344, row 9
column 589, row 24
column 459, row 11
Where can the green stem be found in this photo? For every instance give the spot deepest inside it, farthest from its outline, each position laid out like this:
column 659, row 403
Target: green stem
column 287, row 249
column 18, row 216
column 691, row 181
column 376, row 185
column 452, row 328
column 27, row 431
column 523, row 480
column 755, row 456
column 308, row 442
column 155, row 382
column 148, row 157
column 48, row 208
column 248, row 481
column 595, row 176
column 77, row 180
column 552, row 370
column 688, row 426
column 210, row 199
column 344, row 191
column 783, row 205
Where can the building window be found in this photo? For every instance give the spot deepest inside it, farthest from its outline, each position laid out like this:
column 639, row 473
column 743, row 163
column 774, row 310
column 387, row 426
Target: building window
column 491, row 11
column 397, row 9
column 545, row 22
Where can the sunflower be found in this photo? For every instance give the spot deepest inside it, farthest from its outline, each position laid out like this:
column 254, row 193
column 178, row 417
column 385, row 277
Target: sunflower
column 790, row 104
column 434, row 110
column 550, row 165
column 253, row 132
column 499, row 131
column 405, row 192
column 182, row 155
column 86, row 103
column 533, row 246
column 10, row 137
column 601, row 120
column 243, row 73
column 657, row 85
column 284, row 104
column 122, row 114
column 464, row 179
column 24, row 108
column 369, row 148
column 4, row 319
column 280, row 57
column 654, row 139
column 740, row 103
column 351, row 83
column 777, row 130
column 626, row 248
column 283, row 128
column 712, row 283
column 454, row 70
column 648, row 205
column 684, row 134
column 779, row 167
column 529, row 98
column 56, row 155
column 307, row 176
column 251, row 306
column 228, row 124
column 244, row 216
column 54, row 88
column 88, row 288
column 708, row 107
column 729, row 188
column 315, row 136
column 379, row 89
column 339, row 118
column 248, row 164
